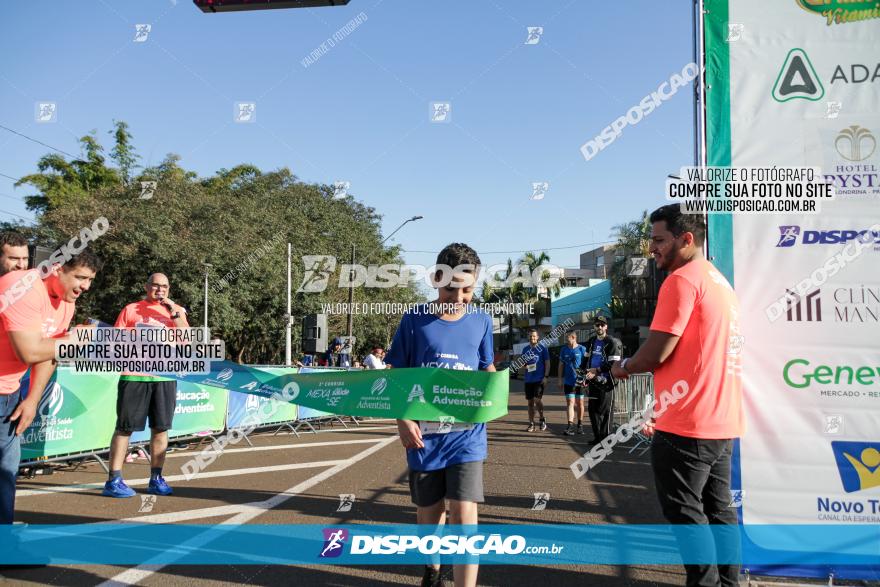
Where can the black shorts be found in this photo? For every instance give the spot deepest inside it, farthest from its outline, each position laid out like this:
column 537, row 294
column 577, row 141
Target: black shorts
column 534, row 389
column 461, row 482
column 573, row 391
column 136, row 400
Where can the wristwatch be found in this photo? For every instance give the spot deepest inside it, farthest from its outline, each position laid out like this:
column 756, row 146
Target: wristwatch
column 623, row 366
column 175, row 315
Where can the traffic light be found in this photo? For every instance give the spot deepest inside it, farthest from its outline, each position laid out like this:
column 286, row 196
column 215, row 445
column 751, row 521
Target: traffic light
column 237, row 5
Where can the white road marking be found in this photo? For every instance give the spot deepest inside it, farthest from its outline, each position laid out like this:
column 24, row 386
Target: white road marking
column 190, row 453
column 172, row 478
column 247, row 512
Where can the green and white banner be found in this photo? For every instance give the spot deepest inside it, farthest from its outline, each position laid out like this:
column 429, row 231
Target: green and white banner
column 796, row 83
column 77, row 412
column 416, row 394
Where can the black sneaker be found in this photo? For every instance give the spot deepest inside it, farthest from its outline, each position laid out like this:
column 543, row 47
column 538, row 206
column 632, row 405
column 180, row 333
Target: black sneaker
column 543, row 424
column 432, row 577
column 580, row 429
column 569, row 430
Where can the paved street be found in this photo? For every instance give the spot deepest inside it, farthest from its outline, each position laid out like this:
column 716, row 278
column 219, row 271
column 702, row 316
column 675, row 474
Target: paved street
column 289, row 480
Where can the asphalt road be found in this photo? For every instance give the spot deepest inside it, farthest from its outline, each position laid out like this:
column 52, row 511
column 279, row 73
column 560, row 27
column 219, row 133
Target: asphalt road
column 288, row 480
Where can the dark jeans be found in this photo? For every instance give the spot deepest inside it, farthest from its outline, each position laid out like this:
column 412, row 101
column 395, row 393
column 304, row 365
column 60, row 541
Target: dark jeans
column 599, row 407
column 692, row 477
column 10, row 456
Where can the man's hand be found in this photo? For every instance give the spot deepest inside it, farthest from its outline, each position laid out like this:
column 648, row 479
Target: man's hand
column 618, row 372
column 172, row 307
column 410, row 435
column 24, row 413
column 590, row 374
column 648, row 429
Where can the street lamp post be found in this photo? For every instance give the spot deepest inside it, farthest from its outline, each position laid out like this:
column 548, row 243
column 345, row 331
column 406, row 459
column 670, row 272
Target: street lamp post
column 207, row 269
column 288, row 359
column 350, row 280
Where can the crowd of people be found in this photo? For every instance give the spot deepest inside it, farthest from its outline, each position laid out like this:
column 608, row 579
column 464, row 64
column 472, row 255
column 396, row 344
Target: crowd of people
column 696, row 317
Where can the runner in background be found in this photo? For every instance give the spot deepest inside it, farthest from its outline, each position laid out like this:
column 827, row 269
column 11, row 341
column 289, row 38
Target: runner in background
column 694, row 351
column 602, row 352
column 446, row 467
column 29, row 329
column 13, row 252
column 571, row 357
column 537, row 359
column 140, row 395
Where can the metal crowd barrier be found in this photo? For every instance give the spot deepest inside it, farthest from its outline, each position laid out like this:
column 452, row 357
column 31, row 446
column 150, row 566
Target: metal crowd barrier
column 631, row 396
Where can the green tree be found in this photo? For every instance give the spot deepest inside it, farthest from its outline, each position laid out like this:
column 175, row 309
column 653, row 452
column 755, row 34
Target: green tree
column 62, row 183
column 240, row 221
column 123, row 152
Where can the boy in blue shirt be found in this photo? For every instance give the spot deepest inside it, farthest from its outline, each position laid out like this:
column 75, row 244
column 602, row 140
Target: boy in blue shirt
column 570, row 359
column 448, row 465
column 537, row 359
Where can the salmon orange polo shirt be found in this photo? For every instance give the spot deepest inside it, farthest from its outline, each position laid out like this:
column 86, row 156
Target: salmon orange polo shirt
column 698, row 304
column 146, row 313
column 33, row 311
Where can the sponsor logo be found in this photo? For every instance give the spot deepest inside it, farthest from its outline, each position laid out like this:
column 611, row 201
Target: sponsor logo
column 252, row 403
column 859, row 73
column 851, row 304
column 854, row 170
column 788, row 236
column 797, row 373
column 807, row 308
column 379, row 386
column 290, row 391
column 224, row 375
column 855, row 143
column 50, row 403
column 417, row 393
column 334, row 540
column 842, row 11
column 858, row 464
column 797, row 79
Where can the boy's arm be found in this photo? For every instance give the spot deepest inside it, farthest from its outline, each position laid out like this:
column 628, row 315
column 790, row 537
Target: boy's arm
column 408, row 430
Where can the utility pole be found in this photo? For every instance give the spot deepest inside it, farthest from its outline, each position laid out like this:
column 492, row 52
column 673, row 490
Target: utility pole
column 288, row 359
column 351, row 294
column 207, row 269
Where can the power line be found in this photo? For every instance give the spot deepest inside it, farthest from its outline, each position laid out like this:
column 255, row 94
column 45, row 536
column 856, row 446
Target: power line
column 10, row 177
column 524, row 250
column 17, row 215
column 36, row 141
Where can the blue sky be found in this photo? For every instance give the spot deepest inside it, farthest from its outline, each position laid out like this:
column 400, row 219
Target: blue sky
column 360, row 113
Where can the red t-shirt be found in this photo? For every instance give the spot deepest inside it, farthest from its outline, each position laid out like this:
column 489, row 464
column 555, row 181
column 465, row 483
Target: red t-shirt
column 32, row 311
column 698, row 304
column 150, row 314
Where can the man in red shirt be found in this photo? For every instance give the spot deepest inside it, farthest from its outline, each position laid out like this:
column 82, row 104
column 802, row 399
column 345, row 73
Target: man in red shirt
column 13, row 252
column 35, row 314
column 694, row 346
column 141, row 395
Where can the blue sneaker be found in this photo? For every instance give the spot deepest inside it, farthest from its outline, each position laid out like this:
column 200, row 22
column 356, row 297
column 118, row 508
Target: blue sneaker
column 158, row 486
column 117, row 488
